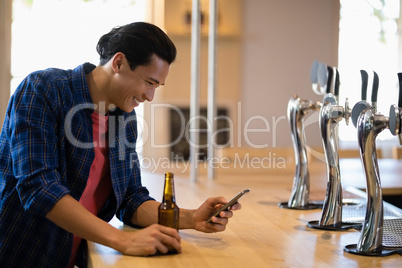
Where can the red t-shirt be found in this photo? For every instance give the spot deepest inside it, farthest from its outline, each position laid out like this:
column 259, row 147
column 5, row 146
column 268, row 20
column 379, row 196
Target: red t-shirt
column 99, row 184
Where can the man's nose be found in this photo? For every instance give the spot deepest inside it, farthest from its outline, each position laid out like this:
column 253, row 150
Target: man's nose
column 149, row 95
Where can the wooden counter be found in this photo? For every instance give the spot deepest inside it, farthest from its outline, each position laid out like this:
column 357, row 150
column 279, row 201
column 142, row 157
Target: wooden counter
column 260, row 235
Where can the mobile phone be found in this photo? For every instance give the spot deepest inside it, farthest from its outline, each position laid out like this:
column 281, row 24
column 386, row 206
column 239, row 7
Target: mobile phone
column 229, row 204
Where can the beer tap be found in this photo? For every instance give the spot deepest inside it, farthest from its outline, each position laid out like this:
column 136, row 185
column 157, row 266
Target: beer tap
column 330, row 115
column 297, row 109
column 395, row 114
column 369, row 125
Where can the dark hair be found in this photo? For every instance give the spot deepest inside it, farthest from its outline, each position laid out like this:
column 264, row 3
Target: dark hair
column 138, row 41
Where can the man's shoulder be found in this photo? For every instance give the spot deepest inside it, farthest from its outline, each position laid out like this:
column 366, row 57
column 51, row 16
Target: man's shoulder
column 52, row 81
column 50, row 75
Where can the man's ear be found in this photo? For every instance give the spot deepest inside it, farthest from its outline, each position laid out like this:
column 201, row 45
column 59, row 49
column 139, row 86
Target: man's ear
column 117, row 61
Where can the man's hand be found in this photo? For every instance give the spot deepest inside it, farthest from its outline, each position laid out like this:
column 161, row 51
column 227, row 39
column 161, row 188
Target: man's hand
column 150, row 241
column 211, row 205
column 73, row 217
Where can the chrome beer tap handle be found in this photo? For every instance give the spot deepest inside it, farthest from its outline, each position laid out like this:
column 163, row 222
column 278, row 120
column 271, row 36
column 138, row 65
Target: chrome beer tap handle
column 337, row 84
column 324, row 78
column 374, row 93
column 363, row 104
column 330, row 115
column 297, row 109
column 369, row 125
column 314, row 77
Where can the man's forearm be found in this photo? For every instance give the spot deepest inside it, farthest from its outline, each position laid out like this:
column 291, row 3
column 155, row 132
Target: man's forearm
column 70, row 215
column 146, row 214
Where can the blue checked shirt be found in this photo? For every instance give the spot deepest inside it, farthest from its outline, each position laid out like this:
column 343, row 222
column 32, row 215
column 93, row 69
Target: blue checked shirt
column 45, row 153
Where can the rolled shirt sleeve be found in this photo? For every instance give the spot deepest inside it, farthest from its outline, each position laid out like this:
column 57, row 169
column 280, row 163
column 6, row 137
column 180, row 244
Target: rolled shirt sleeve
column 33, row 147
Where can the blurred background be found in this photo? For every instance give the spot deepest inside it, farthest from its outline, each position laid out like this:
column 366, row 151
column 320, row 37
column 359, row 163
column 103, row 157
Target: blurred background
column 265, row 51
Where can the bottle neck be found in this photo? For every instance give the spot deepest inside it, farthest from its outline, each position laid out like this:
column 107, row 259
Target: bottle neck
column 168, row 194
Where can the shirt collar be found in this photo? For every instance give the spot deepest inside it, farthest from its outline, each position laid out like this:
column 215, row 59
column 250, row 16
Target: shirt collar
column 80, row 85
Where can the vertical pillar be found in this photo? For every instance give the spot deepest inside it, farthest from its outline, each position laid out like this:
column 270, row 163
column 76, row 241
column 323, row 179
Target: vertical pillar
column 212, row 71
column 195, row 89
column 5, row 55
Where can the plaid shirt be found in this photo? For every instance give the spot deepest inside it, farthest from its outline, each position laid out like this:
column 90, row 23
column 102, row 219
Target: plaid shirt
column 46, row 151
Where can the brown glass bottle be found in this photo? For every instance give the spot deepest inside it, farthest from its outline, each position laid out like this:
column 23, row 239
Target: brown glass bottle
column 168, row 211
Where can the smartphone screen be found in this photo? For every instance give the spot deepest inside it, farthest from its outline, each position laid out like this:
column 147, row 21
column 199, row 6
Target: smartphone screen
column 229, row 204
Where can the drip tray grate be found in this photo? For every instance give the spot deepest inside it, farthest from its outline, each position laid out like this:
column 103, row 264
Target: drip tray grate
column 355, row 212
column 392, row 236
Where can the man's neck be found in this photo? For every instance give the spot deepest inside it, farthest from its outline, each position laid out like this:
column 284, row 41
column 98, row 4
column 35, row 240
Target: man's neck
column 97, row 81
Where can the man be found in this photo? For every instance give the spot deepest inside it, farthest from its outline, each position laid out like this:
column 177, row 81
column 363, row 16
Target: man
column 65, row 151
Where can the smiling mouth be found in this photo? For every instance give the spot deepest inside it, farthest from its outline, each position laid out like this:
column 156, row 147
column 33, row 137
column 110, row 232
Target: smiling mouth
column 136, row 101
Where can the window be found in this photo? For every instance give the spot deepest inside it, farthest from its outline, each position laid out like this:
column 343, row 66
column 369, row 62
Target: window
column 64, row 33
column 368, row 40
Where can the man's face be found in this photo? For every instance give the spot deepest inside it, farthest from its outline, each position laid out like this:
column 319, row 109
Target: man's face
column 133, row 87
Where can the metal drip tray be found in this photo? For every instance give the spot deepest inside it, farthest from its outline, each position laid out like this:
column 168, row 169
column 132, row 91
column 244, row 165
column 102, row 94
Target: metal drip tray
column 355, row 212
column 392, row 233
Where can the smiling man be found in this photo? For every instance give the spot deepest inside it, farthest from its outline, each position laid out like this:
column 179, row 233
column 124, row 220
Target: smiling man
column 64, row 174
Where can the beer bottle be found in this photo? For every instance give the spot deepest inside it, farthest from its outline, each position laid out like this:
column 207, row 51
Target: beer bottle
column 168, row 211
